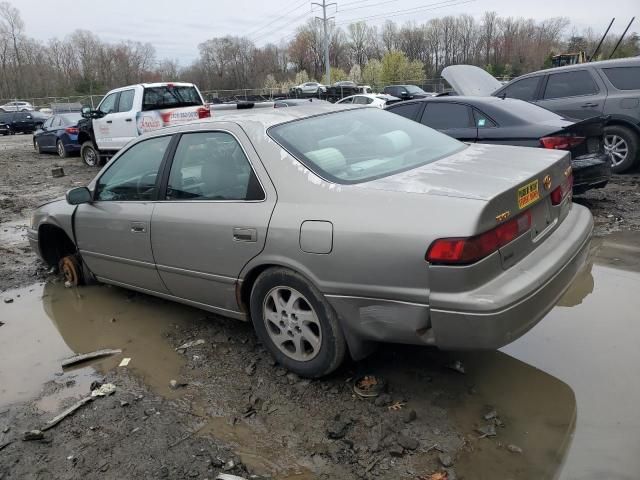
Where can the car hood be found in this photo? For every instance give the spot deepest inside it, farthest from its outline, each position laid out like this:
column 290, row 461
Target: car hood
column 469, row 80
column 477, row 172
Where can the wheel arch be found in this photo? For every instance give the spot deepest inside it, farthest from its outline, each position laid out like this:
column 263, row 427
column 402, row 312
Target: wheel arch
column 624, row 121
column 358, row 348
column 54, row 243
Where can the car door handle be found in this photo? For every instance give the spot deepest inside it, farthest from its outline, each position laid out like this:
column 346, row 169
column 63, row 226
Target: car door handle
column 245, row 234
column 129, row 120
column 109, row 121
column 138, row 227
column 588, row 105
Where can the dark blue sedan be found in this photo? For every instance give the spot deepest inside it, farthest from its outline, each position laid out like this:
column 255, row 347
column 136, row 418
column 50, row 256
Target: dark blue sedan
column 58, row 134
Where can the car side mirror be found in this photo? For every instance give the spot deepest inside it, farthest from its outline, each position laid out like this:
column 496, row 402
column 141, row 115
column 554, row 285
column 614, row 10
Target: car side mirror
column 86, row 112
column 78, row 195
column 404, row 95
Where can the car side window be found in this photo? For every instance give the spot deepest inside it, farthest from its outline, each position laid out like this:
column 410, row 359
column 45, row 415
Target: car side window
column 362, row 100
column 570, row 84
column 212, row 166
column 407, row 110
column 108, row 105
column 482, row 121
column 524, row 89
column 347, row 100
column 48, row 123
column 624, row 78
column 443, row 116
column 126, row 100
column 132, row 177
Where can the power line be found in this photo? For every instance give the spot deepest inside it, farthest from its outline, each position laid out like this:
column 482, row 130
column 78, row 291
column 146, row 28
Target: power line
column 397, row 13
column 279, row 27
column 280, row 17
column 365, row 6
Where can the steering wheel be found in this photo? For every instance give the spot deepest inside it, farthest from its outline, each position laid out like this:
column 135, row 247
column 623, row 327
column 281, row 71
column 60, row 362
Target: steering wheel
column 142, row 186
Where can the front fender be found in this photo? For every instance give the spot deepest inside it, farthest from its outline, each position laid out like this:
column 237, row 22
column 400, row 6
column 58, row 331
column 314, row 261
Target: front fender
column 57, row 213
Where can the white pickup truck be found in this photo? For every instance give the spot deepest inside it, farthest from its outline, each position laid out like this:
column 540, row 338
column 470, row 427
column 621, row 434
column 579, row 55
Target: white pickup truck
column 127, row 112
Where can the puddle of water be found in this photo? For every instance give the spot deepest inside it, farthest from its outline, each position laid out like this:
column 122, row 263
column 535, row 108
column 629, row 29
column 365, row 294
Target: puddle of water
column 46, row 324
column 586, row 356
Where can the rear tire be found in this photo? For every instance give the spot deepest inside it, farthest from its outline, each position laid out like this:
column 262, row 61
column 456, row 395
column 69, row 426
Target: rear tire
column 62, row 151
column 90, row 154
column 304, row 335
column 621, row 144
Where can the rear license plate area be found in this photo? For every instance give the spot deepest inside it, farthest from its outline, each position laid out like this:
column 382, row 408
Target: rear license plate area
column 540, row 218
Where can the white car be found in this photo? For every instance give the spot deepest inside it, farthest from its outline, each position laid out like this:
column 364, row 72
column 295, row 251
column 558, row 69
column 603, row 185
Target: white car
column 16, row 107
column 379, row 100
column 310, row 87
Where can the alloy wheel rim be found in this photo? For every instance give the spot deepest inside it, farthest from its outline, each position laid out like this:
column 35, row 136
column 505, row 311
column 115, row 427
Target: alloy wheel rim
column 35, row 145
column 616, row 148
column 292, row 324
column 90, row 157
column 60, row 149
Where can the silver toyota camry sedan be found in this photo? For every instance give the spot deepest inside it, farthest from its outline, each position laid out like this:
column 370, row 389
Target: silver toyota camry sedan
column 329, row 228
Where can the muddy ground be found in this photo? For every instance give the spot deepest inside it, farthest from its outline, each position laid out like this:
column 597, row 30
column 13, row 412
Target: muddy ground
column 233, row 409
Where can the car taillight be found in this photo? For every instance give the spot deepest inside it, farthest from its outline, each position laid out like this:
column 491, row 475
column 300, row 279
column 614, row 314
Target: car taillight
column 204, row 112
column 461, row 251
column 72, row 130
column 560, row 192
column 561, row 142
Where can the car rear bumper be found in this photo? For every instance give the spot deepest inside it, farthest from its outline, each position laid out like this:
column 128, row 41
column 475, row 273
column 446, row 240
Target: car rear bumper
column 504, row 309
column 488, row 317
column 590, row 171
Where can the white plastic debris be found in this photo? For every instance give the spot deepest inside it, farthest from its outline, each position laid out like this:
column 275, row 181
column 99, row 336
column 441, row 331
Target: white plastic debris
column 193, row 343
column 104, row 390
column 124, row 362
column 227, row 476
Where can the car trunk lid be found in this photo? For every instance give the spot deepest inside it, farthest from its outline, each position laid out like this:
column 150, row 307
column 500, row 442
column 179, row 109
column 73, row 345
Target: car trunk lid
column 513, row 181
column 469, row 80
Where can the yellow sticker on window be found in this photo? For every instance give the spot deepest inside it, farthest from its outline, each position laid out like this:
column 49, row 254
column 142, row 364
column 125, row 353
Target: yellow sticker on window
column 528, row 194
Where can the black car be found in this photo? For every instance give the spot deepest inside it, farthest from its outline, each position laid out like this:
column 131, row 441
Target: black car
column 22, row 122
column 515, row 122
column 406, row 92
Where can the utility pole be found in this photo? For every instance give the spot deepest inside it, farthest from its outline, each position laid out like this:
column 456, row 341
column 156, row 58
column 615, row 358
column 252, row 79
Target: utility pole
column 324, row 19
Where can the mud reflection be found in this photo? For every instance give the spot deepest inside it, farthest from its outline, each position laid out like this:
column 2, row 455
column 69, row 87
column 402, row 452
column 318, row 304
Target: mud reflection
column 538, row 412
column 98, row 317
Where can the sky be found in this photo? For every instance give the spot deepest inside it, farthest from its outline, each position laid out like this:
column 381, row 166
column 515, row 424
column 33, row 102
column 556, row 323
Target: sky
column 175, row 28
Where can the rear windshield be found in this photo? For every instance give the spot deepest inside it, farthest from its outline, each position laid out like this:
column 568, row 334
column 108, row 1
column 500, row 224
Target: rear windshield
column 71, row 118
column 156, row 98
column 528, row 111
column 356, row 146
column 414, row 89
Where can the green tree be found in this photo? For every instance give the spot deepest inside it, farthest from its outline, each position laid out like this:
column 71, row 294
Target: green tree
column 396, row 68
column 372, row 73
column 301, row 77
column 337, row 75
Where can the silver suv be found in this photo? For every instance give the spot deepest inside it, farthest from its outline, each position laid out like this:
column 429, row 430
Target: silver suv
column 609, row 87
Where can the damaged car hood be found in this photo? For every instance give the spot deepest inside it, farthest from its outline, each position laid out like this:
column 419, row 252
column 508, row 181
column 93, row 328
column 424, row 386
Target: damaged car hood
column 469, row 80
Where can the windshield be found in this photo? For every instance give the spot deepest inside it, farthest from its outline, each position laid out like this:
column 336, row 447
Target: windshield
column 356, row 146
column 414, row 89
column 156, row 98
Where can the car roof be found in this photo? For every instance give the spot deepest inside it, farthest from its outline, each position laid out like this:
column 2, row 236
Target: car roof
column 464, row 99
column 257, row 118
column 617, row 62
